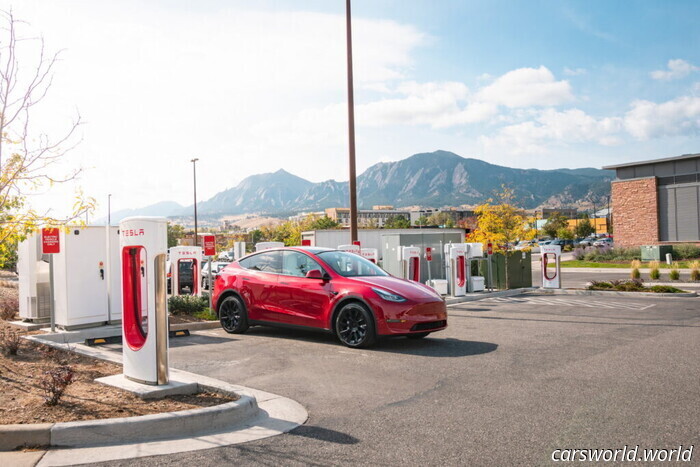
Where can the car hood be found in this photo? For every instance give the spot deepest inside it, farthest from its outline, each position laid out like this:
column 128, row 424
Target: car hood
column 408, row 289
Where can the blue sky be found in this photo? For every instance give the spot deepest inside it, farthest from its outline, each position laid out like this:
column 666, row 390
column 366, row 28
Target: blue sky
column 252, row 87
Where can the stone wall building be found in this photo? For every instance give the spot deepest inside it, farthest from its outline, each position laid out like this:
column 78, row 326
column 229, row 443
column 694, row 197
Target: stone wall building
column 657, row 202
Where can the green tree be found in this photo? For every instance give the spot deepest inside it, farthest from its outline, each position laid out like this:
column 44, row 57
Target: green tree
column 27, row 154
column 175, row 232
column 323, row 223
column 397, row 222
column 443, row 219
column 565, row 233
column 584, row 227
column 555, row 222
column 501, row 224
column 422, row 221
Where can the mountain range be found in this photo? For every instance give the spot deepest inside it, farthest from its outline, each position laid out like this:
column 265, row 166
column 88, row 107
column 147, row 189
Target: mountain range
column 435, row 179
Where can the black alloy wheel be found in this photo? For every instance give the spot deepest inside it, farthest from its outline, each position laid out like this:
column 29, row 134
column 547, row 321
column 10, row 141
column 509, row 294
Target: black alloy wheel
column 354, row 326
column 232, row 315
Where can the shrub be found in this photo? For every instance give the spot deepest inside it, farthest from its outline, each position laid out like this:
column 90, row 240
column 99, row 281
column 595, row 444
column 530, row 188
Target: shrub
column 596, row 285
column 674, row 274
column 654, row 273
column 695, row 271
column 206, row 314
column 685, row 251
column 579, row 253
column 634, row 285
column 10, row 342
column 635, row 265
column 665, row 289
column 55, row 382
column 187, row 304
column 58, row 356
column 8, row 307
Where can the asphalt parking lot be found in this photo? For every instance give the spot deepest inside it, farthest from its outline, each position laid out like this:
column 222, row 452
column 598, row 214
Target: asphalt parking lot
column 508, row 382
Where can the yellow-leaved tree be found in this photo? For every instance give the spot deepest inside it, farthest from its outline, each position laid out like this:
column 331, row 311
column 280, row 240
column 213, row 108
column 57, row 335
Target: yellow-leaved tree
column 27, row 154
column 501, row 223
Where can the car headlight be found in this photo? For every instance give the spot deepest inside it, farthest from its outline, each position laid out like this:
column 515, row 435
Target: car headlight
column 388, row 296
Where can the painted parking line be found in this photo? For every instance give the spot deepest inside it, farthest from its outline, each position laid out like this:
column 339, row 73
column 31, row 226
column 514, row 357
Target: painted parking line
column 574, row 302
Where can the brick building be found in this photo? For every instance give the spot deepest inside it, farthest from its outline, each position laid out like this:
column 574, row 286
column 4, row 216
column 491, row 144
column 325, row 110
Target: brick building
column 657, row 201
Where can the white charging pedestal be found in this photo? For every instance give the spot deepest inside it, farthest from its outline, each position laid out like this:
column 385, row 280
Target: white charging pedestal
column 456, row 263
column 371, row 254
column 143, row 250
column 260, row 246
column 551, row 276
column 350, row 248
column 409, row 256
column 182, row 258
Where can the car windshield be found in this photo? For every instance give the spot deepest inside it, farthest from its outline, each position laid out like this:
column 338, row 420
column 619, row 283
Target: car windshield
column 350, row 264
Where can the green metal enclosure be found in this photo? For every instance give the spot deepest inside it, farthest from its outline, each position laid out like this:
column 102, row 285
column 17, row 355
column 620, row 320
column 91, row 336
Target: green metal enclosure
column 519, row 270
column 655, row 252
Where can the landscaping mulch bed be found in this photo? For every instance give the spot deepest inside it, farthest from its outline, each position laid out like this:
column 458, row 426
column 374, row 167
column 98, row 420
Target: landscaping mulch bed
column 22, row 397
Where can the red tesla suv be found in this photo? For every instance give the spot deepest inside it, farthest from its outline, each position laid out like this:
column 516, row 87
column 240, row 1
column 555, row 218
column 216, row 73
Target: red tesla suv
column 328, row 290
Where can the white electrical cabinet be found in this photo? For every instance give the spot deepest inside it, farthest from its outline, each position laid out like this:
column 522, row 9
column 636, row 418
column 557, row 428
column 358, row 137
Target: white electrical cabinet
column 85, row 270
column 34, row 291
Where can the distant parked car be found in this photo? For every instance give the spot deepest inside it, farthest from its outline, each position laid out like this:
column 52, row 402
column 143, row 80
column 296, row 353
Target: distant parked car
column 603, row 242
column 588, row 241
column 217, row 267
column 562, row 242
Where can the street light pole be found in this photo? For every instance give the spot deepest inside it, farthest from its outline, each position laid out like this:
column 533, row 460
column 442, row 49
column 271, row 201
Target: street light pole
column 351, row 127
column 194, row 173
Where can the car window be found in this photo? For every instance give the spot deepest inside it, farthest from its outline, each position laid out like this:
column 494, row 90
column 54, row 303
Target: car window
column 297, row 264
column 269, row 261
column 350, row 264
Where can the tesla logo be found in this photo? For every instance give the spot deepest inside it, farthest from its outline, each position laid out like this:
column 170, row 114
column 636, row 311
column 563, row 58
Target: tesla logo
column 133, row 232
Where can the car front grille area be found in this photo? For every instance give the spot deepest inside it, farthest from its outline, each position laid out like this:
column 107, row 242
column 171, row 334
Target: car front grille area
column 430, row 325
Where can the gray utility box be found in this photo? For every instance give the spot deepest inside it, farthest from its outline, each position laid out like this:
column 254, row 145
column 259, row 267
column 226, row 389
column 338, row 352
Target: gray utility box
column 391, row 242
column 655, row 252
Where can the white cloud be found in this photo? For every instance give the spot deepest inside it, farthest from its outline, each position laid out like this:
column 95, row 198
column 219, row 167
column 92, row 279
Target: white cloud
column 574, row 71
column 647, row 120
column 526, row 87
column 677, row 69
column 554, row 128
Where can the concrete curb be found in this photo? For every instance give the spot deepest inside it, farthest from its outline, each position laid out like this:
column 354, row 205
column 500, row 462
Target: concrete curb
column 18, row 436
column 485, row 295
column 182, row 424
column 196, row 326
column 612, row 293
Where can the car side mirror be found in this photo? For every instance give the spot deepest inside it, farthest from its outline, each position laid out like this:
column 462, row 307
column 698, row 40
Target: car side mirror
column 314, row 274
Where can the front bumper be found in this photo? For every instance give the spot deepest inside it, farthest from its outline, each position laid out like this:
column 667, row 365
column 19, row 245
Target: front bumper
column 402, row 318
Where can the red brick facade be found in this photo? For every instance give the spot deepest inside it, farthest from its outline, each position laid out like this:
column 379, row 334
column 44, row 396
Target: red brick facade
column 635, row 212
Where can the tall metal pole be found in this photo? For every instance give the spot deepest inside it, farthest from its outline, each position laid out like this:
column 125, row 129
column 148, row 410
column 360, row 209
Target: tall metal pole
column 194, row 172
column 108, row 263
column 351, row 127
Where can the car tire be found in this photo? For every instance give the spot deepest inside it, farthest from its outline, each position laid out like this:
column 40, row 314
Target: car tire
column 354, row 326
column 233, row 316
column 417, row 335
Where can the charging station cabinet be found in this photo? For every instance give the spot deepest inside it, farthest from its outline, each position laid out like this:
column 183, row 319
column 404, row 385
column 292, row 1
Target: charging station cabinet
column 86, row 278
column 143, row 250
column 185, row 265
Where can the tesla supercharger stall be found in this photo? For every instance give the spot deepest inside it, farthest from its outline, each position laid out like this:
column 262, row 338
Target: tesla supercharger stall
column 350, row 248
column 456, row 255
column 551, row 266
column 261, row 246
column 143, row 246
column 371, row 254
column 409, row 256
column 185, row 267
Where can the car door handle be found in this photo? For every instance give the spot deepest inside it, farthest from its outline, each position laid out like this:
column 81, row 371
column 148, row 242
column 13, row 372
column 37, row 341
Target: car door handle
column 245, row 278
column 284, row 283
